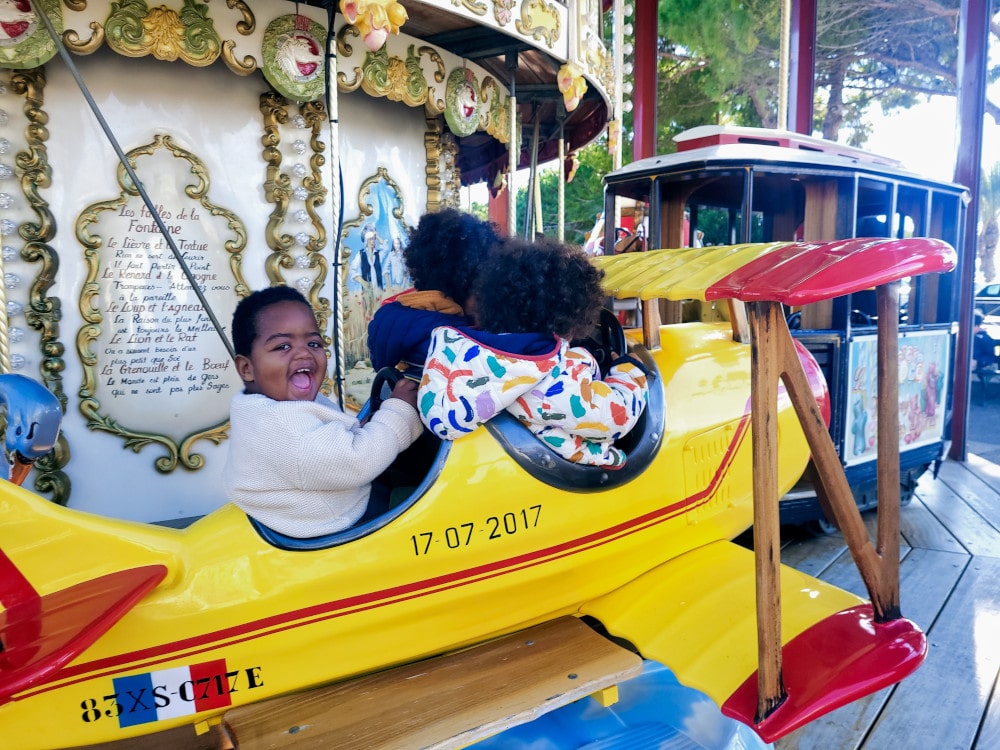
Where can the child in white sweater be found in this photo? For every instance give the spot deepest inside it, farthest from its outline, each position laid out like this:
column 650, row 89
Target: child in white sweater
column 297, row 463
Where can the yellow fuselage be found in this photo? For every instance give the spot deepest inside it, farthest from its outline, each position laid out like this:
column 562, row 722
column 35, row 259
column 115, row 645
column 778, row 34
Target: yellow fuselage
column 487, row 550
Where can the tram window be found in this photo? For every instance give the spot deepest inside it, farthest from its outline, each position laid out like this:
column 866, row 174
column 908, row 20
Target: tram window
column 713, row 226
column 912, row 204
column 878, row 226
column 721, row 226
column 873, row 226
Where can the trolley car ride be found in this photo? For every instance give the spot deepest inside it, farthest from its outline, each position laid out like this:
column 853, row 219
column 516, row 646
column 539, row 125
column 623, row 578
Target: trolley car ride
column 502, row 562
column 727, row 185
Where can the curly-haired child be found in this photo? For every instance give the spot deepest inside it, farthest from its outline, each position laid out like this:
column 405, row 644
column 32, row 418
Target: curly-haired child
column 445, row 253
column 532, row 299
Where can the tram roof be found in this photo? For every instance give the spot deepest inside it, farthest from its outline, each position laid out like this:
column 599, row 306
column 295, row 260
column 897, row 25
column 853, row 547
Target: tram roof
column 770, row 157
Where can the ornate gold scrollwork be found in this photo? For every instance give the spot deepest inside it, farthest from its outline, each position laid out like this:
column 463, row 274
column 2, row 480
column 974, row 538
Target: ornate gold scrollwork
column 539, row 20
column 43, row 312
column 243, row 68
column 383, row 75
column 496, row 113
column 179, row 452
column 135, row 30
column 278, row 190
column 249, row 23
column 344, row 50
column 443, row 176
column 473, row 6
column 434, row 105
column 84, row 47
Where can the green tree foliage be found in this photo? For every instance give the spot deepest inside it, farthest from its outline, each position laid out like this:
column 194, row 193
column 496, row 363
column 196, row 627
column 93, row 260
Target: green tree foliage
column 891, row 52
column 718, row 62
column 584, row 195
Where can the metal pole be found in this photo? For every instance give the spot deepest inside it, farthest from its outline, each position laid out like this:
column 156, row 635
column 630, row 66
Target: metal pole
column 783, row 62
column 644, row 94
column 514, row 150
column 973, row 36
column 802, row 63
column 337, row 204
column 561, row 228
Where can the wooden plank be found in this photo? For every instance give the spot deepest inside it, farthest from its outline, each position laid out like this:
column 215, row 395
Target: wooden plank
column 975, row 534
column 926, row 581
column 765, row 330
column 989, row 735
column 978, row 492
column 942, row 704
column 446, row 702
column 178, row 738
column 813, row 554
column 920, row 528
column 985, row 470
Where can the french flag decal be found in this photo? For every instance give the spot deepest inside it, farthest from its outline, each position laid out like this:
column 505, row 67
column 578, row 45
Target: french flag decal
column 169, row 693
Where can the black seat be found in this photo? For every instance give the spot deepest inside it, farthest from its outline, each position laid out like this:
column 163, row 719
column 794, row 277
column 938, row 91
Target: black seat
column 641, row 445
column 429, row 476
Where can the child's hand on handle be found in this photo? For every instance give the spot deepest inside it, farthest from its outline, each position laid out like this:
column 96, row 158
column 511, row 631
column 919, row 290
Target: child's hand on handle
column 406, row 390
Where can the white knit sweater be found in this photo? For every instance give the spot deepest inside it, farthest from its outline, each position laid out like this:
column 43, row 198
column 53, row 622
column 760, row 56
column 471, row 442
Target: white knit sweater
column 304, row 468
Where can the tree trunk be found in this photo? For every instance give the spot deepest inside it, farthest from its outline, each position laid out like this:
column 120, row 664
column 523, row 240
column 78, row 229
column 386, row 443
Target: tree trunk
column 834, row 117
column 988, row 248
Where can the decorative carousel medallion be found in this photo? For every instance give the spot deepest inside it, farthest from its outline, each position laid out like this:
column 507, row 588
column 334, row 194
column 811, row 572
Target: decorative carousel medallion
column 24, row 40
column 463, row 102
column 293, row 57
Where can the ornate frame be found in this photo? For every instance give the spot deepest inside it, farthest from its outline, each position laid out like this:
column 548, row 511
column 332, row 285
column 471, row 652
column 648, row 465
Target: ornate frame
column 179, row 452
column 380, row 208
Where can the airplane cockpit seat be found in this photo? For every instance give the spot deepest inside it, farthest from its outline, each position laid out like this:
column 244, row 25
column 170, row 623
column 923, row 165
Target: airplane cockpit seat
column 283, row 541
column 416, row 468
column 641, row 444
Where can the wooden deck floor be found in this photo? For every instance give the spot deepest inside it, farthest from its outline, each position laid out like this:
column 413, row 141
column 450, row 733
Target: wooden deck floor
column 950, row 586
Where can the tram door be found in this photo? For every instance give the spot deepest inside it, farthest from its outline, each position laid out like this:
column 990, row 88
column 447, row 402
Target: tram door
column 724, row 196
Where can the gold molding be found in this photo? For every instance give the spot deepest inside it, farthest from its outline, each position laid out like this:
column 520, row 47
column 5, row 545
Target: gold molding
column 278, row 190
column 132, row 29
column 496, row 114
column 441, row 150
column 135, row 30
column 243, row 68
column 42, row 312
column 383, row 75
column 540, row 21
column 248, row 25
column 179, row 453
column 84, row 47
column 473, row 6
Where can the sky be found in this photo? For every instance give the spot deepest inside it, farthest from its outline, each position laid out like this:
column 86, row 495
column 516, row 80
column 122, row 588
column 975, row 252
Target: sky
column 923, row 137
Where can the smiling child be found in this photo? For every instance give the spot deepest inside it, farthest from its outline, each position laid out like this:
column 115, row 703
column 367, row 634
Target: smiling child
column 297, row 463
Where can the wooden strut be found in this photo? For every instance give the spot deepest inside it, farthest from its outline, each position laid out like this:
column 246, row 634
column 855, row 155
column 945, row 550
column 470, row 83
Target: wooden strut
column 773, row 356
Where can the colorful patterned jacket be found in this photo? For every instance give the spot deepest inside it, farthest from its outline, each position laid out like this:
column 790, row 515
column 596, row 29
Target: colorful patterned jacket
column 558, row 395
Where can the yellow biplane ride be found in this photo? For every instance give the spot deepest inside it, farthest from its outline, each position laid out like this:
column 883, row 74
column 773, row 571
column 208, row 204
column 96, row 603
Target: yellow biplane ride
column 508, row 586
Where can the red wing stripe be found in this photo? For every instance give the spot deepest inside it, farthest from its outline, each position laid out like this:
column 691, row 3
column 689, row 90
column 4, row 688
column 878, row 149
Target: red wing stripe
column 801, row 273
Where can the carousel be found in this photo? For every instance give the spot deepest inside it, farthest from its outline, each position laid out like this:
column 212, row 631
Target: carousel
column 157, row 163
